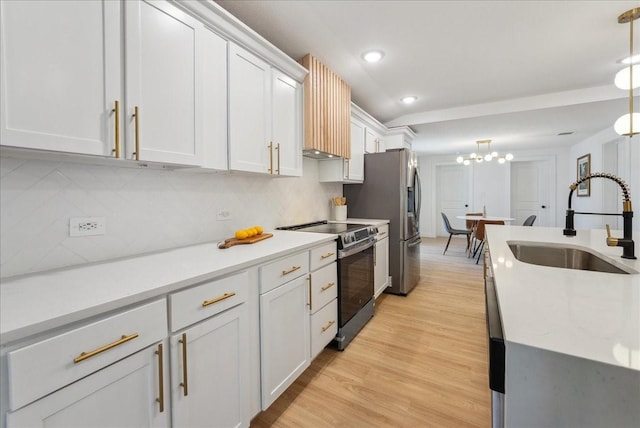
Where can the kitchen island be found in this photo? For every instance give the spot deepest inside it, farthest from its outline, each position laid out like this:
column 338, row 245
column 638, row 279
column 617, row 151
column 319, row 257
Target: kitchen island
column 572, row 337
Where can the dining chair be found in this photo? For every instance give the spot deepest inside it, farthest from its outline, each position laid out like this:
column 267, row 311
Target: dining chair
column 471, row 224
column 479, row 235
column 452, row 231
column 529, row 221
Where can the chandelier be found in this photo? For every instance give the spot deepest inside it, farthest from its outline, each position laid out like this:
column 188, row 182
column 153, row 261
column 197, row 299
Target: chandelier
column 488, row 155
column 628, row 78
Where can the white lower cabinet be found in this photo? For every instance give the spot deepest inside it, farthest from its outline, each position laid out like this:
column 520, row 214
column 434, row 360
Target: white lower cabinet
column 125, row 394
column 210, row 360
column 323, row 303
column 111, row 373
column 284, row 324
column 381, row 279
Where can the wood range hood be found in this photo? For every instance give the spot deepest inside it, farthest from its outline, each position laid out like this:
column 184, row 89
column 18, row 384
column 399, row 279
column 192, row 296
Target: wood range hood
column 327, row 112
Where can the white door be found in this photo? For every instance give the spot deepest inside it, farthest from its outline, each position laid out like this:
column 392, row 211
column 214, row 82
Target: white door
column 249, row 112
column 285, row 344
column 530, row 192
column 287, row 124
column 60, row 73
column 125, row 394
column 452, row 195
column 163, row 81
column 216, row 370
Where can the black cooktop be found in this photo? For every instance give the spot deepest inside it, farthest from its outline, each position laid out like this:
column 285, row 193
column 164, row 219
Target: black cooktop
column 324, row 227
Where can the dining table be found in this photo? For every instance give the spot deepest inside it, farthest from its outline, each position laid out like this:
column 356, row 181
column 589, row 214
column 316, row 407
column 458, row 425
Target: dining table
column 475, row 219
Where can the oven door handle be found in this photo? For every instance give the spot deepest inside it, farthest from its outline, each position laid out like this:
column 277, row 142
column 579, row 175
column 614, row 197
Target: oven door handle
column 359, row 248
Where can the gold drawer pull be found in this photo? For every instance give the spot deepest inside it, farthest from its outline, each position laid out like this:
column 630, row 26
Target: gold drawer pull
column 293, row 269
column 327, row 255
column 217, row 299
column 160, row 398
column 116, row 117
column 136, row 120
column 328, row 326
column 184, row 384
column 328, row 286
column 86, row 355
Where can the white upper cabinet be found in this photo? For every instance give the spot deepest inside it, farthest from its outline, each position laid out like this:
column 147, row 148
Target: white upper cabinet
column 373, row 142
column 63, row 88
column 61, row 67
column 164, row 83
column 265, row 117
column 214, row 112
column 287, row 124
column 249, row 121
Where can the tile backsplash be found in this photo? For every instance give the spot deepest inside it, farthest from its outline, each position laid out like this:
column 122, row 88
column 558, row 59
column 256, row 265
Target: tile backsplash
column 145, row 209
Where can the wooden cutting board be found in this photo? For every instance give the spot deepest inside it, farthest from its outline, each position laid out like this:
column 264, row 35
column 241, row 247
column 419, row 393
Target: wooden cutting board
column 235, row 241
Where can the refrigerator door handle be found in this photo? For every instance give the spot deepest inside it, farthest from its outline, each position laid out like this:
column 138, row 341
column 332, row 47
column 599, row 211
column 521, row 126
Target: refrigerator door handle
column 418, row 198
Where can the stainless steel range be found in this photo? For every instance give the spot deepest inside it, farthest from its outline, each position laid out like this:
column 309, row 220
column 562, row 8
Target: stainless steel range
column 355, row 274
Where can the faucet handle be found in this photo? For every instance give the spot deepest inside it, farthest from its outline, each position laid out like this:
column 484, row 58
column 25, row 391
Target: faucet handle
column 611, row 242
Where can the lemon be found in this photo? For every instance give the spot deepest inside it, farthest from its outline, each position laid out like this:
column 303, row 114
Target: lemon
column 259, row 229
column 242, row 234
column 250, row 232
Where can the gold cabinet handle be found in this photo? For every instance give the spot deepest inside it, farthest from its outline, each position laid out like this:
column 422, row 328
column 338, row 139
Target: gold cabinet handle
column 278, row 149
column 184, row 384
column 217, row 299
column 116, row 114
column 328, row 326
column 160, row 398
column 326, row 256
column 310, row 294
column 270, row 146
column 328, row 286
column 85, row 355
column 136, row 120
column 346, row 161
column 293, row 269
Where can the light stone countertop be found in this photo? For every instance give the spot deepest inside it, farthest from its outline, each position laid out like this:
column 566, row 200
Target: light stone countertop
column 591, row 315
column 32, row 304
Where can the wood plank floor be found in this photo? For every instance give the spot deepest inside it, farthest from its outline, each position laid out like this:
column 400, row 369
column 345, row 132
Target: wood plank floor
column 420, row 362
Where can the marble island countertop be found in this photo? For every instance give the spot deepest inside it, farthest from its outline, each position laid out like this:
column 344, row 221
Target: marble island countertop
column 35, row 303
column 591, row 315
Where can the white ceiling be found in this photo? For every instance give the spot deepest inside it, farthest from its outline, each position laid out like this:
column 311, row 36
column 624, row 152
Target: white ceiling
column 516, row 72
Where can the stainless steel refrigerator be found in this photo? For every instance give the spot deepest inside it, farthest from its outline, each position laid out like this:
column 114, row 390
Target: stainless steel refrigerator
column 391, row 190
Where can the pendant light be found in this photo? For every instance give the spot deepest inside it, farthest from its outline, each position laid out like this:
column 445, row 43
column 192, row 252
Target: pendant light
column 629, row 124
column 480, row 157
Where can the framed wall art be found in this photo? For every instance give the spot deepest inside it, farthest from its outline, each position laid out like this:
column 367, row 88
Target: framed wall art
column 584, row 169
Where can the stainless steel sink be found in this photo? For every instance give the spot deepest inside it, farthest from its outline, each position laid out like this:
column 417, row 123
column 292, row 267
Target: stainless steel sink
column 555, row 255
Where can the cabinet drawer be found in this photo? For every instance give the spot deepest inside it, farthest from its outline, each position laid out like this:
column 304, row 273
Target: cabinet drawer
column 43, row 367
column 324, row 327
column 323, row 255
column 283, row 270
column 383, row 232
column 202, row 301
column 324, row 286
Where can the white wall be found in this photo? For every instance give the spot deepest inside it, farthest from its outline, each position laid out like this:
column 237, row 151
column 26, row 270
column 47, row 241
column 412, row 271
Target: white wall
column 146, row 210
column 490, row 184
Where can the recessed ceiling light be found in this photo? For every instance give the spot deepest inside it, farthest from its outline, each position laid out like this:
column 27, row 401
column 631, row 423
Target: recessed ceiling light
column 409, row 100
column 373, row 56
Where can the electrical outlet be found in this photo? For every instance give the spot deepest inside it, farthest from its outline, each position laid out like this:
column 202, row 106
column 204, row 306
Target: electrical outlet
column 87, row 226
column 223, row 215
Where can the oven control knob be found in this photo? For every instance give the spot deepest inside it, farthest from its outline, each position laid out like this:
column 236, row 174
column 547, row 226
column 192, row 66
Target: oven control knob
column 347, row 238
